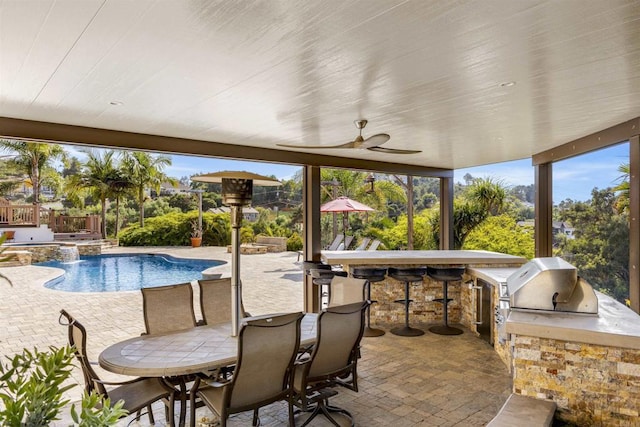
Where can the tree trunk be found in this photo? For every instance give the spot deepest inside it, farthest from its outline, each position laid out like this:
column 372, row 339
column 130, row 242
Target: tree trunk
column 35, row 183
column 103, row 226
column 141, row 201
column 117, row 216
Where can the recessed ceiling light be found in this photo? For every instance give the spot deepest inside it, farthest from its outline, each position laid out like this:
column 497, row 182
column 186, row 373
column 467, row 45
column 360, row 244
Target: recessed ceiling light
column 507, row 84
column 117, row 103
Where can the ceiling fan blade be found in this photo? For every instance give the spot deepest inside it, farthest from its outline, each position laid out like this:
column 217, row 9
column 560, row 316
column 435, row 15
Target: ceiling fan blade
column 345, row 145
column 375, row 140
column 393, row 150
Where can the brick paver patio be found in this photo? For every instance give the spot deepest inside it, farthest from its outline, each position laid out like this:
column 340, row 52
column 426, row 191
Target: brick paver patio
column 432, row 380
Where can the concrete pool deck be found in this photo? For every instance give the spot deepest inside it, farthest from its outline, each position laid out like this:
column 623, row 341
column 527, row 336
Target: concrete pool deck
column 425, row 381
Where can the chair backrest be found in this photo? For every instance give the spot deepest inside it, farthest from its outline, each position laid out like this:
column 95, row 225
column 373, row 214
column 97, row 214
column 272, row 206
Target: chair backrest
column 346, row 290
column 340, row 330
column 215, row 300
column 347, row 242
column 168, row 308
column 78, row 340
column 266, row 353
column 336, row 242
column 363, row 244
column 374, row 245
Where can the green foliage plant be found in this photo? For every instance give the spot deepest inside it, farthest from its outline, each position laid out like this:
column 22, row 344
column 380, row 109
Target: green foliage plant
column 502, row 234
column 96, row 411
column 32, row 387
column 294, row 242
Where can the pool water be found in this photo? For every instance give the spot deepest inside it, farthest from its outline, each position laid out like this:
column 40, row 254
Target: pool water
column 111, row 273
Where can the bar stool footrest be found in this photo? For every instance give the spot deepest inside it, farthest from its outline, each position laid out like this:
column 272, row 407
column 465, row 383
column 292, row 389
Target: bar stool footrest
column 445, row 330
column 373, row 332
column 407, row 331
column 441, row 300
column 402, row 301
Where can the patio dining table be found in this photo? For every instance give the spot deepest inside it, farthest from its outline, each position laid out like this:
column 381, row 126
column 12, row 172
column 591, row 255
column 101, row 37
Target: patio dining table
column 185, row 352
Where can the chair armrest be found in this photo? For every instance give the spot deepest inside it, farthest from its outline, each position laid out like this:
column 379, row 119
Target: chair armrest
column 135, row 380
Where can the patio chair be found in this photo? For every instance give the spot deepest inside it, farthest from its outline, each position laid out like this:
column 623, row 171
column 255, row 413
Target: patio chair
column 374, row 245
column 333, row 361
column 263, row 374
column 363, row 244
column 345, row 245
column 336, row 243
column 334, row 246
column 168, row 308
column 346, row 290
column 137, row 394
column 215, row 301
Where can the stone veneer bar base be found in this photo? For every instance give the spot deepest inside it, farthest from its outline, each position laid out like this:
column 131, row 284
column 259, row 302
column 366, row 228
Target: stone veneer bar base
column 592, row 385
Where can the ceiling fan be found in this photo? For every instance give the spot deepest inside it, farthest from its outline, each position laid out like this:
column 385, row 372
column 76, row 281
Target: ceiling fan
column 372, row 143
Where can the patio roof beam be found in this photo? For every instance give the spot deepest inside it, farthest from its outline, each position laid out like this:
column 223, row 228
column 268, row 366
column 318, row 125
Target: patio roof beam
column 69, row 134
column 634, row 223
column 605, row 138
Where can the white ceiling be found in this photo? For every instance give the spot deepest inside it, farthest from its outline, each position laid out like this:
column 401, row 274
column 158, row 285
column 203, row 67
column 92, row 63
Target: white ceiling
column 258, row 73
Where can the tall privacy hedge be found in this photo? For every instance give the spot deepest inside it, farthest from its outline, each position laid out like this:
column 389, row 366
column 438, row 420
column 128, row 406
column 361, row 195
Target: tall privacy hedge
column 174, row 229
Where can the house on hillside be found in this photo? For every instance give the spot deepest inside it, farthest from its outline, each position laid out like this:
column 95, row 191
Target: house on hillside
column 249, row 213
column 563, row 228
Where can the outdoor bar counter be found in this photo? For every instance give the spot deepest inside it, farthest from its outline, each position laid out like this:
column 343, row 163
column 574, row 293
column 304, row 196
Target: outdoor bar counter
column 424, row 309
column 589, row 365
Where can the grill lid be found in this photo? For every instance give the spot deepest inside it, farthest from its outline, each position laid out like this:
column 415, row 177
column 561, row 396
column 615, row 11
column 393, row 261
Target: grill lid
column 550, row 284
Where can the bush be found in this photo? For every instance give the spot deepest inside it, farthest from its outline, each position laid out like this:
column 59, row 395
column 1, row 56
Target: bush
column 294, row 243
column 31, row 390
column 174, row 229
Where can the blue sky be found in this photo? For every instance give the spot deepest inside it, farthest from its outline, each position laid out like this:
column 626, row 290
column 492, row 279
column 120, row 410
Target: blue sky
column 572, row 179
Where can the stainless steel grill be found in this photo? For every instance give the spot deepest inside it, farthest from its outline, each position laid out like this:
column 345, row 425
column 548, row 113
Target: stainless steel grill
column 549, row 285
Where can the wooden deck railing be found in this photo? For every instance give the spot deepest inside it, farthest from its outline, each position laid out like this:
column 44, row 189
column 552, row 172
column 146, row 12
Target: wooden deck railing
column 20, row 215
column 74, row 224
column 33, row 216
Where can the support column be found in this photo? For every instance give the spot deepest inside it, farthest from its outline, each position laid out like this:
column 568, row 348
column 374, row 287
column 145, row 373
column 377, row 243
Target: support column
column 311, row 238
column 634, row 222
column 544, row 210
column 446, row 213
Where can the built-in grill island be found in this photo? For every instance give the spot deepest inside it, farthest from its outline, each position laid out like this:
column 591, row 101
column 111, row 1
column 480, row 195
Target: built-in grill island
column 562, row 340
column 550, row 285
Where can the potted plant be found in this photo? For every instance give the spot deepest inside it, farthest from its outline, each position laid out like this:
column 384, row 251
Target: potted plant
column 196, row 234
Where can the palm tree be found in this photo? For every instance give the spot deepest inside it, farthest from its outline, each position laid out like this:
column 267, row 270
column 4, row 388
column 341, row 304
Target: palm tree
column 622, row 189
column 489, row 194
column 34, row 159
column 145, row 171
column 97, row 177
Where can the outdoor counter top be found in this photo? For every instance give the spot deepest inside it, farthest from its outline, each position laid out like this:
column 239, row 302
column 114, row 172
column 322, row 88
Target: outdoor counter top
column 615, row 325
column 436, row 257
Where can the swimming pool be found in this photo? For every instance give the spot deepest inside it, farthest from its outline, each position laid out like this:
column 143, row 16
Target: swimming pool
column 111, row 273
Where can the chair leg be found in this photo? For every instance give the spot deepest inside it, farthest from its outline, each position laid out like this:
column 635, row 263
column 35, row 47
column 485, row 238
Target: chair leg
column 256, row 418
column 150, row 413
column 292, row 422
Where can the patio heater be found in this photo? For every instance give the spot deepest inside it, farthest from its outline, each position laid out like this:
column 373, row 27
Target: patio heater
column 237, row 189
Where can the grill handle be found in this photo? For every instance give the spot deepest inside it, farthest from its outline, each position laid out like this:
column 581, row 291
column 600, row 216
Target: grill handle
column 478, row 301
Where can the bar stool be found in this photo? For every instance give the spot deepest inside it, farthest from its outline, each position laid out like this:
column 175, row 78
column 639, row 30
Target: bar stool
column 406, row 275
column 322, row 275
column 371, row 275
column 445, row 275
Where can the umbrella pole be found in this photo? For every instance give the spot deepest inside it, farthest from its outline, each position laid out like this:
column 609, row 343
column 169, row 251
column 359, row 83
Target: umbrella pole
column 236, row 285
column 345, row 224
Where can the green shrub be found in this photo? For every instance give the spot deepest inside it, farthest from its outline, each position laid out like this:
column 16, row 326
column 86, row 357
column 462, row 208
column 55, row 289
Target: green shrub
column 174, row 229
column 294, row 243
column 32, row 387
